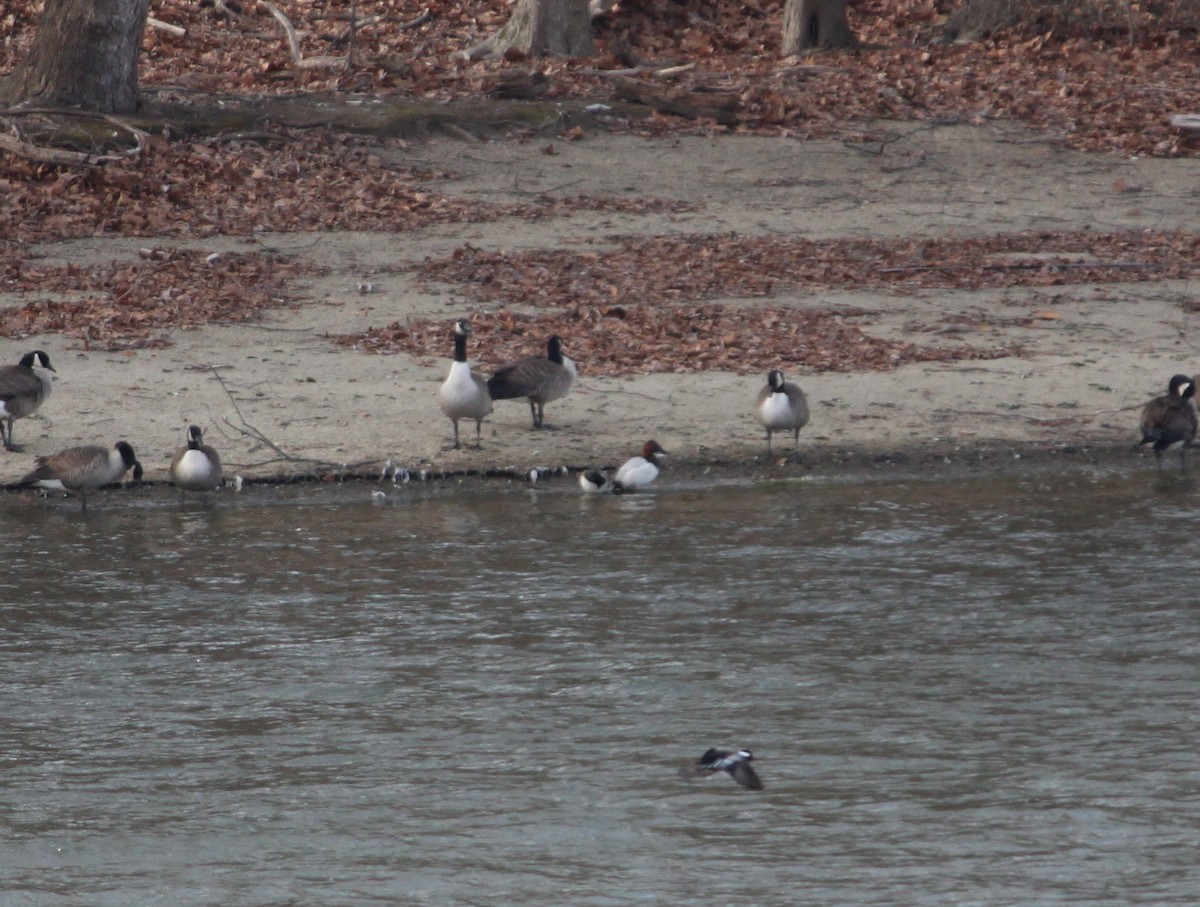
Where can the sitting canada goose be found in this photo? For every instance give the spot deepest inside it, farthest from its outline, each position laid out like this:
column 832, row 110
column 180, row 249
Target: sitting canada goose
column 196, row 466
column 23, row 388
column 781, row 406
column 541, row 379
column 737, row 765
column 594, row 481
column 1169, row 421
column 84, row 469
column 464, row 395
column 639, row 472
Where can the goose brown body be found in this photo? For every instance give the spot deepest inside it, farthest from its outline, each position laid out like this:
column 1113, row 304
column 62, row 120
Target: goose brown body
column 539, row 379
column 1169, row 421
column 23, row 388
column 82, row 470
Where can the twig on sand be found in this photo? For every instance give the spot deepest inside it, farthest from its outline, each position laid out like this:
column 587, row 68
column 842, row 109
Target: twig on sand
column 251, row 431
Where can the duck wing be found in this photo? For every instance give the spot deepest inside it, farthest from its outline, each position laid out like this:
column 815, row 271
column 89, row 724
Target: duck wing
column 746, row 776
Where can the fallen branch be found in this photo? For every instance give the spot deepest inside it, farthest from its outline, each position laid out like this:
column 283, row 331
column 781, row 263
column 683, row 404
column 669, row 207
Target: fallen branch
column 293, row 42
column 1022, row 266
column 1187, row 123
column 17, row 143
column 166, row 26
column 251, row 431
column 289, row 30
column 721, row 107
column 377, row 18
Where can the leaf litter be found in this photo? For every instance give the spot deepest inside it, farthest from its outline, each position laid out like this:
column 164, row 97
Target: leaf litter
column 1109, row 90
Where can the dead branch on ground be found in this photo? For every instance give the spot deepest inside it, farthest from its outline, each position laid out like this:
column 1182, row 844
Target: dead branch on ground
column 17, row 141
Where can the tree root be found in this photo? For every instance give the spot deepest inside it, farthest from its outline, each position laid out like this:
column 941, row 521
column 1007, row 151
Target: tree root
column 51, row 123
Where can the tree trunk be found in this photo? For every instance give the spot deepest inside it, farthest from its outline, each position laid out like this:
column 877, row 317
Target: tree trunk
column 539, row 28
column 815, row 23
column 84, row 55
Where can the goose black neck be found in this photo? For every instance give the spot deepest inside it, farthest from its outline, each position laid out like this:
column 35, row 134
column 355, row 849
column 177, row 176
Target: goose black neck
column 460, row 347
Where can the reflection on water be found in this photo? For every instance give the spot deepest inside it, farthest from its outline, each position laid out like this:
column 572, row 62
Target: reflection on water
column 977, row 691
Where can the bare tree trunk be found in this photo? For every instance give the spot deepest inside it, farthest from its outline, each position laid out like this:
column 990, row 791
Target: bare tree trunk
column 815, row 23
column 85, row 55
column 539, row 28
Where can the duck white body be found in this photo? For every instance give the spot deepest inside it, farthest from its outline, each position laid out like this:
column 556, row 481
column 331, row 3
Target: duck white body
column 464, row 395
column 781, row 406
column 594, row 481
column 196, row 466
column 84, row 469
column 23, row 388
column 638, row 472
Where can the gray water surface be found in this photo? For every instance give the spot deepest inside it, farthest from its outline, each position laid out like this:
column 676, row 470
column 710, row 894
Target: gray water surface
column 976, row 691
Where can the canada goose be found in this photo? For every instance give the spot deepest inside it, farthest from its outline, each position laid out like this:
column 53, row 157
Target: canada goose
column 594, row 481
column 196, row 466
column 464, row 395
column 23, row 388
column 736, row 764
column 781, row 406
column 1169, row 421
column 541, row 379
column 640, row 471
column 84, row 469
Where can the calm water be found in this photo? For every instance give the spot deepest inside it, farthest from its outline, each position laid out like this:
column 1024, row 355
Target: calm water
column 982, row 691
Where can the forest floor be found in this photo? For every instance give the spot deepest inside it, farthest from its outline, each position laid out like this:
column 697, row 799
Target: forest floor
column 946, row 288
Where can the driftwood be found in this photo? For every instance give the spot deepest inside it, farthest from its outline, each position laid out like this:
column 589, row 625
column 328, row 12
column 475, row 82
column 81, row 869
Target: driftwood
column 1188, row 124
column 293, row 42
column 695, row 105
column 170, row 29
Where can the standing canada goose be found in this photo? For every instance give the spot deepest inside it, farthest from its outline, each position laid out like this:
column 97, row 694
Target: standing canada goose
column 84, row 469
column 23, row 388
column 639, row 472
column 1169, row 421
column 594, row 481
column 736, row 764
column 464, row 395
column 541, row 379
column 196, row 466
column 781, row 406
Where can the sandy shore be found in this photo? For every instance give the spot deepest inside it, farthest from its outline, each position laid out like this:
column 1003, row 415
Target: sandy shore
column 288, row 402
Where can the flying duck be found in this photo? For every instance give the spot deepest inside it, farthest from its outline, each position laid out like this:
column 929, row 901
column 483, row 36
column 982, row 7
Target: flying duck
column 196, row 466
column 639, row 472
column 736, row 764
column 781, row 406
column 464, row 395
column 594, row 481
column 541, row 379
column 1169, row 421
column 84, row 469
column 23, row 388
